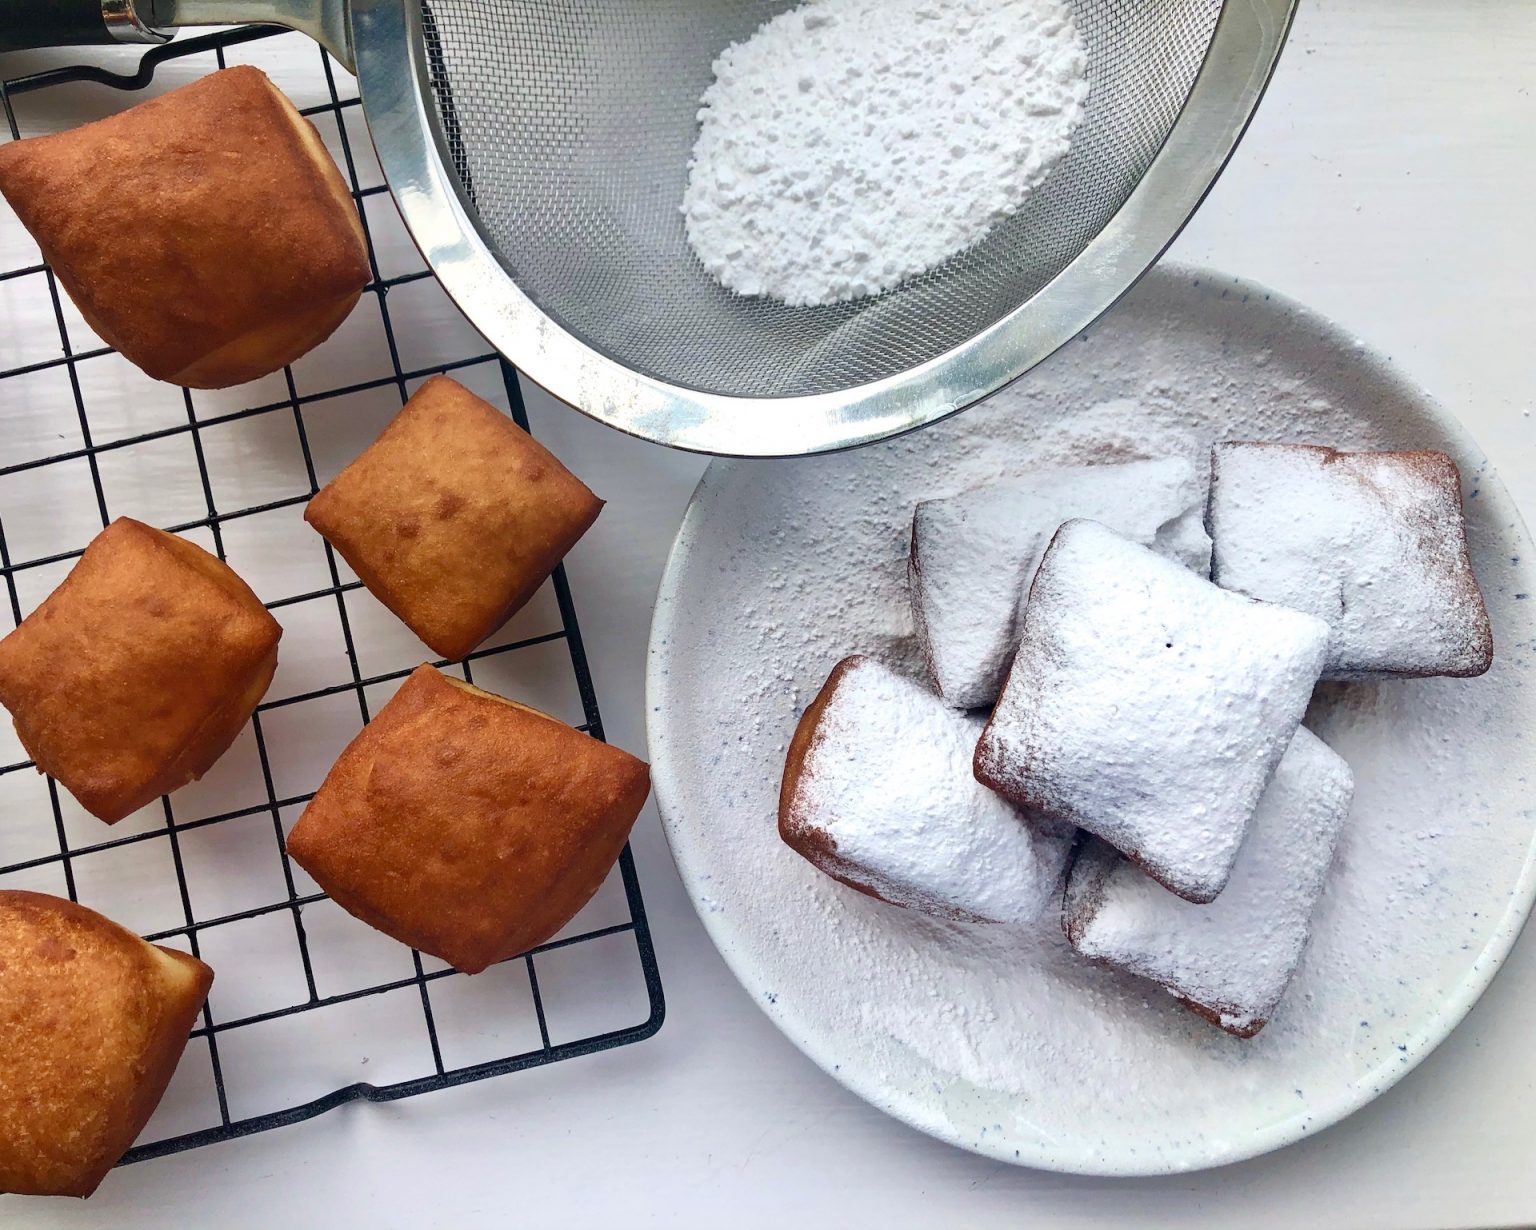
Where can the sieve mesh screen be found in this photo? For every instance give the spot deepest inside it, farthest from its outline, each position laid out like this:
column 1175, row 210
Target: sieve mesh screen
column 570, row 124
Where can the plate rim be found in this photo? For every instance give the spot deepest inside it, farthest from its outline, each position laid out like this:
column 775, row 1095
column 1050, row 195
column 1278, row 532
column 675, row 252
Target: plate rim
column 1366, row 1087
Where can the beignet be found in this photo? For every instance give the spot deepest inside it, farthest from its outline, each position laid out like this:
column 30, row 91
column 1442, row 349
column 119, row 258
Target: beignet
column 137, row 673
column 453, row 517
column 206, row 234
column 93, row 1021
column 1148, row 706
column 973, row 556
column 468, row 826
column 878, row 793
column 1229, row 961
column 1374, row 543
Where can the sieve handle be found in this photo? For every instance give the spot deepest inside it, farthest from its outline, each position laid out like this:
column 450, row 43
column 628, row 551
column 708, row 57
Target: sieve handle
column 325, row 21
column 26, row 24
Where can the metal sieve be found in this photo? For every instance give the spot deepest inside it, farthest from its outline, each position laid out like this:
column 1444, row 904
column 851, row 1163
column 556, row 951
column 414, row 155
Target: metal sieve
column 538, row 150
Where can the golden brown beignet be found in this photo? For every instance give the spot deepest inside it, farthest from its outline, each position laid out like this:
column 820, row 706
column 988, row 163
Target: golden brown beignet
column 466, row 825
column 93, row 1022
column 206, row 234
column 454, row 516
column 137, row 673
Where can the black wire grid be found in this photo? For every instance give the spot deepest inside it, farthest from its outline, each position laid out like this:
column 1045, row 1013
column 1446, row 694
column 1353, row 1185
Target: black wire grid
column 193, row 927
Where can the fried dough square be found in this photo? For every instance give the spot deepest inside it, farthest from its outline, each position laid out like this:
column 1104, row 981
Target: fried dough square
column 1374, row 543
column 1148, row 706
column 137, row 673
column 466, row 825
column 973, row 556
column 94, row 1021
column 206, row 234
column 453, row 517
column 1229, row 961
column 878, row 794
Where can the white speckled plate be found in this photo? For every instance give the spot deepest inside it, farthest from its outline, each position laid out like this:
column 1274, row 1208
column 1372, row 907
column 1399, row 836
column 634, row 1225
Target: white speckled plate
column 1004, row 1042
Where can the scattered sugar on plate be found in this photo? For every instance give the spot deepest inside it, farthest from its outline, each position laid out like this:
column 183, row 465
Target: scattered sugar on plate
column 849, row 145
column 974, row 555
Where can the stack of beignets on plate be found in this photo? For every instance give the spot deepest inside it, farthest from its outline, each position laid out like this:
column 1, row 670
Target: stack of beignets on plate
column 1154, row 711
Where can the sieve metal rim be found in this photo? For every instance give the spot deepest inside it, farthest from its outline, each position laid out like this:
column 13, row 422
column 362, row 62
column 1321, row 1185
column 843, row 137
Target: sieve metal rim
column 389, row 49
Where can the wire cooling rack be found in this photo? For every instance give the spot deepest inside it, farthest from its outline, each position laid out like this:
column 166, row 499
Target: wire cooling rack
column 310, row 1009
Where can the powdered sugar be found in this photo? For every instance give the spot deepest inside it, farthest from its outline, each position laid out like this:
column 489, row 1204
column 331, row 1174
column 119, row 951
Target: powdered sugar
column 1148, row 706
column 887, row 785
column 973, row 556
column 1234, row 956
column 1371, row 542
column 850, row 144
column 1006, row 1041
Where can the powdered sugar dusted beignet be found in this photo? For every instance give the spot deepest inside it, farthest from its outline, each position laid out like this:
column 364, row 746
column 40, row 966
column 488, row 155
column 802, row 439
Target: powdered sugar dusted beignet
column 973, row 556
column 1230, row 960
column 1148, row 706
column 878, row 793
column 1372, row 542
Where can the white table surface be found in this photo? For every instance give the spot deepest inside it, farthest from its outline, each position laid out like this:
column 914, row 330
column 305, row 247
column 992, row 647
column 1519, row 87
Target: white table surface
column 1386, row 181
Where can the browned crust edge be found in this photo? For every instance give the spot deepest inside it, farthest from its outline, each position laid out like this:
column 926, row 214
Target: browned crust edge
column 805, row 839
column 1214, row 1015
column 811, row 843
column 161, row 1061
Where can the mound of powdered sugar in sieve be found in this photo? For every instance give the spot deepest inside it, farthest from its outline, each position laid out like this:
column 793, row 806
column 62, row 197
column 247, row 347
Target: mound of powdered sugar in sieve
column 851, row 144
